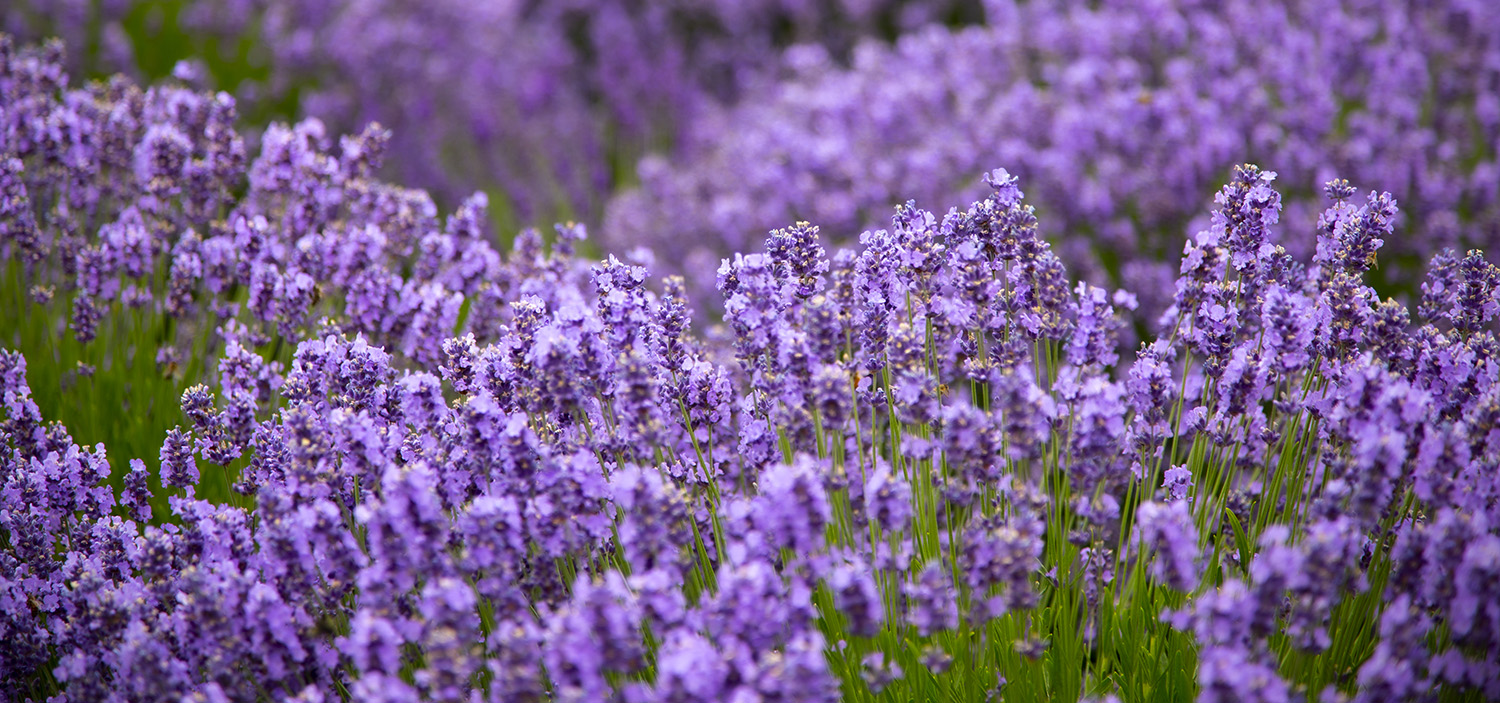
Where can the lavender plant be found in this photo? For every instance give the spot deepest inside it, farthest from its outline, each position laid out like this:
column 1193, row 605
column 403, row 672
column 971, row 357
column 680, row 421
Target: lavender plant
column 404, row 467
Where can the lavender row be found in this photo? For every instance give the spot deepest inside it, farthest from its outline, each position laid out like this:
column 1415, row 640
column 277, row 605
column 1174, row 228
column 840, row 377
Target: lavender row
column 533, row 101
column 1122, row 117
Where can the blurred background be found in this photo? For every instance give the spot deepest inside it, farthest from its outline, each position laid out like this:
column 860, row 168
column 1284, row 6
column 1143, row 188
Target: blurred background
column 685, row 129
column 546, row 106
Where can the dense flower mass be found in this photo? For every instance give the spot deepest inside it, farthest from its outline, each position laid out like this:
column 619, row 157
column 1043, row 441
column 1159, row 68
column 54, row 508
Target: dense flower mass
column 1120, row 116
column 545, row 103
column 274, row 429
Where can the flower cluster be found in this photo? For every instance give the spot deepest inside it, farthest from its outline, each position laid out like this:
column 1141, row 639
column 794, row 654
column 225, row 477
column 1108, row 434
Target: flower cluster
column 403, row 466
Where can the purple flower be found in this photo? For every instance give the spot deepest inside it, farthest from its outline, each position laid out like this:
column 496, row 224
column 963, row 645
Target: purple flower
column 671, row 317
column 1398, row 667
column 18, row 225
column 160, row 158
column 596, row 633
column 450, row 632
column 1093, row 340
column 1225, row 675
column 21, row 423
column 622, row 301
column 1470, row 301
column 690, row 669
column 799, row 257
column 373, row 643
column 1000, row 558
column 1175, row 483
column 1026, row 412
column 888, row 499
column 1167, row 533
column 1315, row 573
column 654, row 524
column 406, row 533
column 879, row 671
column 799, row 672
column 1475, row 615
column 931, row 600
column 85, row 320
column 137, row 494
column 1344, row 309
column 792, row 508
column 832, row 394
column 515, row 661
column 1248, row 207
column 1290, row 322
column 494, row 537
column 178, row 469
column 1350, row 236
column 638, row 408
column 857, row 597
column 529, row 474
column 384, row 688
column 756, row 606
column 1149, row 390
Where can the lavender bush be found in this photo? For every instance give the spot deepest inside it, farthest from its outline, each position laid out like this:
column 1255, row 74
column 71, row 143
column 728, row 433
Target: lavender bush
column 1121, row 116
column 363, row 455
column 547, row 105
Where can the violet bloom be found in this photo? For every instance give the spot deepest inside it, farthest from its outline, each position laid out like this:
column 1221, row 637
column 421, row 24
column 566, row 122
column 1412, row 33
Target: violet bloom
column 1248, row 207
column 1000, row 558
column 756, row 606
column 178, row 469
column 1351, row 235
column 406, row 533
column 160, row 158
column 1398, row 666
column 495, row 549
column 792, row 508
column 595, row 634
column 1150, row 390
column 1026, row 411
column 1230, row 667
column 832, row 394
column 1176, row 481
column 798, row 251
column 137, row 494
column 1465, row 292
column 857, row 597
column 879, row 671
column 18, row 226
column 1167, row 533
column 931, row 600
column 1475, row 616
column 1225, row 676
column 1313, row 575
column 1093, row 340
column 689, row 669
column 888, row 499
column 1289, row 322
column 654, row 518
column 450, row 630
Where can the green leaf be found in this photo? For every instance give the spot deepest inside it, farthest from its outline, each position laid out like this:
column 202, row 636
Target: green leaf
column 1241, row 540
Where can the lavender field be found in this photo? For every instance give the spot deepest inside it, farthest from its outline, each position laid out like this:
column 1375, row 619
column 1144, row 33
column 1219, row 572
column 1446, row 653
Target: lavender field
column 755, row 351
